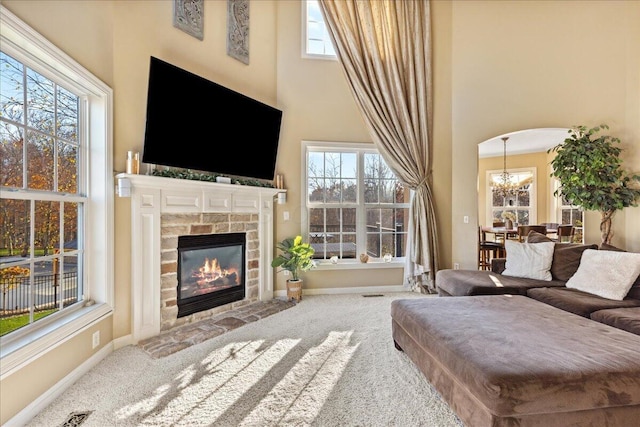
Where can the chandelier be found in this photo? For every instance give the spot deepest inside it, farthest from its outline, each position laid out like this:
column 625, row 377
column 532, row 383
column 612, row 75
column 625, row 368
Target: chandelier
column 506, row 185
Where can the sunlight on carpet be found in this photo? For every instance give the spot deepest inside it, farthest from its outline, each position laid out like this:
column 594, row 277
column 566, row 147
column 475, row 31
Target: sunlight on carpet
column 214, row 386
column 207, row 391
column 299, row 397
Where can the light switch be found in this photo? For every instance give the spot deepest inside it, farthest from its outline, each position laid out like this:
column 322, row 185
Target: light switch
column 466, row 219
column 285, row 215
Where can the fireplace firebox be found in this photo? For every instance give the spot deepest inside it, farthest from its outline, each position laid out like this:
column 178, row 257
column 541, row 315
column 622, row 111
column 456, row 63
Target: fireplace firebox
column 211, row 271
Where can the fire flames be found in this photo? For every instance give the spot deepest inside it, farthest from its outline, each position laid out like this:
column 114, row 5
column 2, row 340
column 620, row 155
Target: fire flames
column 212, row 274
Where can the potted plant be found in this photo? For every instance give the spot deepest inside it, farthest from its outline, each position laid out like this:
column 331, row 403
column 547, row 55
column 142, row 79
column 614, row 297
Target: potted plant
column 295, row 257
column 590, row 175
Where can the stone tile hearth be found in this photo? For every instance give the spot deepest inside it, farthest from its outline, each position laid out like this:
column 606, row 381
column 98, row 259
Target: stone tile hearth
column 181, row 337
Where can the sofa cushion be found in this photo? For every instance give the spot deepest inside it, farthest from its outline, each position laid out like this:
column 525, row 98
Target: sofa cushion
column 609, row 274
column 480, row 282
column 577, row 302
column 566, row 256
column 535, row 237
column 529, row 260
column 634, row 292
column 627, row 319
column 566, row 259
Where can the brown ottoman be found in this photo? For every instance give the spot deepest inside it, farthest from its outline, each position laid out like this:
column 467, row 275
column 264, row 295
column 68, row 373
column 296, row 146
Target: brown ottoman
column 507, row 360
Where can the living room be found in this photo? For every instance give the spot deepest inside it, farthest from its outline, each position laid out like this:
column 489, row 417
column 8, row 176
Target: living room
column 498, row 67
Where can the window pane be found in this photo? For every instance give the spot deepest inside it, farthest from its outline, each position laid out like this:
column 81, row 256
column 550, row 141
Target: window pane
column 317, row 190
column 71, row 226
column 40, row 102
column 315, row 165
column 68, row 168
column 316, row 220
column 11, row 89
column 15, row 226
column 349, row 191
column 11, row 155
column 67, row 112
column 14, row 283
column 39, row 161
column 47, row 227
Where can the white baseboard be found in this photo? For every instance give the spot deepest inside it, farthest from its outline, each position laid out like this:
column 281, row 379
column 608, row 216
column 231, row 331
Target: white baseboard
column 46, row 398
column 122, row 342
column 349, row 290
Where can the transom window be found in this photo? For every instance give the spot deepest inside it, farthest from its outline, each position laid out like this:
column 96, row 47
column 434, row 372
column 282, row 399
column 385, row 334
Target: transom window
column 316, row 40
column 354, row 203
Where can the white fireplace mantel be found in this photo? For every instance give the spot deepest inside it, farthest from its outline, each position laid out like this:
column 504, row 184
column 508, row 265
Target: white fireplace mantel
column 151, row 196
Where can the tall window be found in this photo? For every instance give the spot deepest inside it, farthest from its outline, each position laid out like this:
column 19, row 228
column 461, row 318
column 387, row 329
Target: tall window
column 41, row 215
column 55, row 192
column 316, row 39
column 522, row 204
column 354, row 203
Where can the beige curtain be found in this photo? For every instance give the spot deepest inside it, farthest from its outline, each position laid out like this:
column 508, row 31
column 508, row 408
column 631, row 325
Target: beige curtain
column 384, row 47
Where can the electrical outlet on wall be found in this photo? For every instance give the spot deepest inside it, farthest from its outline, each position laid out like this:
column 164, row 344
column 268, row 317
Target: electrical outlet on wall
column 96, row 339
column 456, row 266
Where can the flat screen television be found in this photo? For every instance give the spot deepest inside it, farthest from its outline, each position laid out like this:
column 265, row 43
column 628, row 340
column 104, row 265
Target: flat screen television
column 194, row 123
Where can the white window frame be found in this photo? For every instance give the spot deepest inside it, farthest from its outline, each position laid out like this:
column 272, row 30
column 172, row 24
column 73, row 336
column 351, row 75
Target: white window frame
column 359, row 147
column 326, row 39
column 558, row 207
column 533, row 193
column 27, row 46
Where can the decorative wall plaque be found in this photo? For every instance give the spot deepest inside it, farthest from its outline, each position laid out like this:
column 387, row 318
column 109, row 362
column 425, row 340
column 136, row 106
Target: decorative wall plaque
column 238, row 30
column 188, row 15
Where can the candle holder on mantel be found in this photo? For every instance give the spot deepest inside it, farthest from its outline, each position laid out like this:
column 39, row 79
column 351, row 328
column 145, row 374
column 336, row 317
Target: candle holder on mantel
column 279, row 184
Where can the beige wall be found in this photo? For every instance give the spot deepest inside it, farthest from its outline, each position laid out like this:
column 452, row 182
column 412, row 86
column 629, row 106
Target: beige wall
column 530, row 64
column 499, row 66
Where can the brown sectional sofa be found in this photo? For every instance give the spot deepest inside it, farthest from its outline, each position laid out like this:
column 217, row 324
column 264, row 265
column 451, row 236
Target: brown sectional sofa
column 510, row 351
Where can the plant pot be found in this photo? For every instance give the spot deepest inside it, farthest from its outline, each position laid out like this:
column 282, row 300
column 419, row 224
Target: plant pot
column 508, row 224
column 294, row 289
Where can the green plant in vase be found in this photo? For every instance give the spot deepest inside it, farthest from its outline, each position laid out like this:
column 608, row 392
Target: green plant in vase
column 295, row 256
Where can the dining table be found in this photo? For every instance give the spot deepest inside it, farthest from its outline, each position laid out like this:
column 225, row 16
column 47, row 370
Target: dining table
column 501, row 233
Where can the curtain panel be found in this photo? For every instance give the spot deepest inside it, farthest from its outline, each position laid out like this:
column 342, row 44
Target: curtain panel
column 384, row 48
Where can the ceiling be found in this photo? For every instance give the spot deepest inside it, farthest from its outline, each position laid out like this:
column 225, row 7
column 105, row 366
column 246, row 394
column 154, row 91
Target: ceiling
column 523, row 141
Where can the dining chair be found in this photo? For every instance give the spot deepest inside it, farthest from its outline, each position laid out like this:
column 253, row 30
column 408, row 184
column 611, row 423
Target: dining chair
column 565, row 233
column 523, row 231
column 488, row 249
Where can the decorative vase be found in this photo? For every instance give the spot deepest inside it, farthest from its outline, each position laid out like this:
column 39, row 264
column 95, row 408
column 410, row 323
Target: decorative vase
column 294, row 289
column 508, row 224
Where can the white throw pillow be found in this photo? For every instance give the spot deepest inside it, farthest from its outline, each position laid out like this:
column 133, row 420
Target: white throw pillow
column 530, row 260
column 607, row 274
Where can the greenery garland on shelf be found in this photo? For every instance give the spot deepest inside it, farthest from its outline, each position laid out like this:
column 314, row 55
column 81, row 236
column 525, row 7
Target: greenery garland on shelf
column 198, row 176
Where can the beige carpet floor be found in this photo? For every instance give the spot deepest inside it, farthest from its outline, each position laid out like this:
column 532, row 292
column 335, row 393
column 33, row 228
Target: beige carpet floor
column 328, row 361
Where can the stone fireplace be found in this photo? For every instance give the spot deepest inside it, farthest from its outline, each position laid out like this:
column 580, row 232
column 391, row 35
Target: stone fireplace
column 164, row 212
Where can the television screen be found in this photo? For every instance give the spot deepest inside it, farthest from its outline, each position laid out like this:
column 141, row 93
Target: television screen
column 194, row 123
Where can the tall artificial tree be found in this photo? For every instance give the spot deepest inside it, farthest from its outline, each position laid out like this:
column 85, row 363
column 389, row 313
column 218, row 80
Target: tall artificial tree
column 591, row 176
